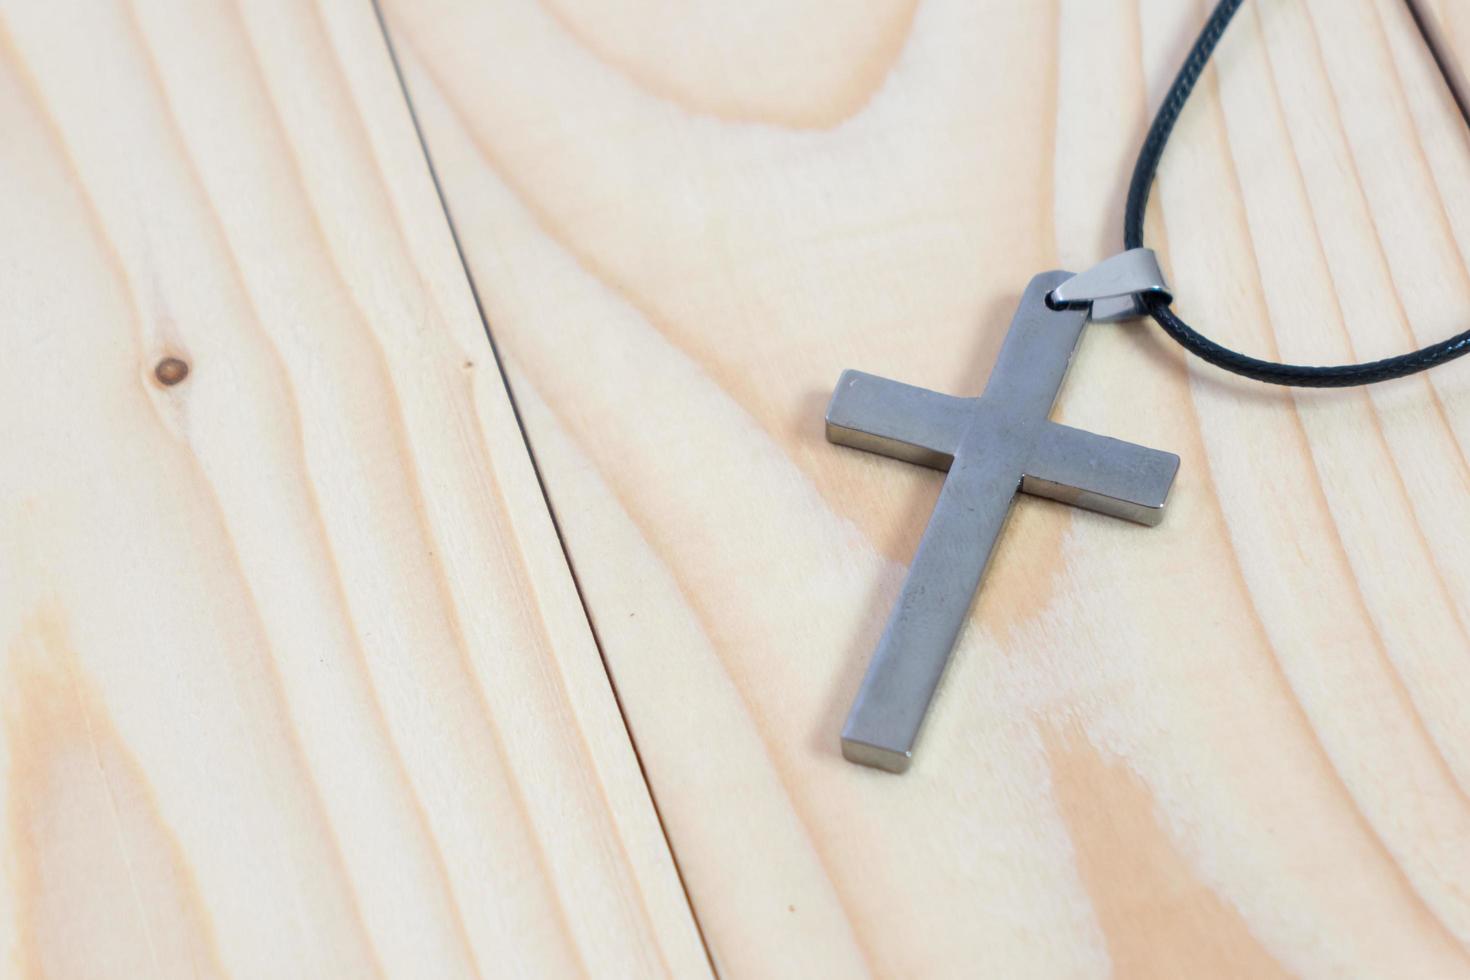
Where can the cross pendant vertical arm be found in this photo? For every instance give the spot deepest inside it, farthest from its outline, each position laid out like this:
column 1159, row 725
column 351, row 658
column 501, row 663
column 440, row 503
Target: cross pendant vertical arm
column 932, row 608
column 993, row 447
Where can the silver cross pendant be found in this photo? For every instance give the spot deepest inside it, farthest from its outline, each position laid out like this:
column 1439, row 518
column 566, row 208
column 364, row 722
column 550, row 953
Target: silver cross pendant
column 993, row 447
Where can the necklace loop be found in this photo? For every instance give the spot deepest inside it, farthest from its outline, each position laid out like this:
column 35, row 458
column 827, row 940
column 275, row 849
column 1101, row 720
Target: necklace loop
column 1114, row 288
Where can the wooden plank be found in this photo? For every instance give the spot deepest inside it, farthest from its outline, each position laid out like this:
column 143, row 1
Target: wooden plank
column 1234, row 745
column 295, row 678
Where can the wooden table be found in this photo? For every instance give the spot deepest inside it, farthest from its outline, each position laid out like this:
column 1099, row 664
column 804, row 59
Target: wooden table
column 338, row 642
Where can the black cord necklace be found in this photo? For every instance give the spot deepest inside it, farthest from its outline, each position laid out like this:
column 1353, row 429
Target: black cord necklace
column 1157, row 306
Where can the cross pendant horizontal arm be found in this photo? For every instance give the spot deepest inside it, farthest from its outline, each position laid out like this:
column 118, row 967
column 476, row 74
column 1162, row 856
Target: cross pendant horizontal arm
column 1080, row 468
column 894, row 419
column 1098, row 473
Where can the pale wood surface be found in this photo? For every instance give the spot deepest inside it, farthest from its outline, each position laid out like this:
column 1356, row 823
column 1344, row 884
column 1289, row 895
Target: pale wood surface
column 1233, row 745
column 295, row 681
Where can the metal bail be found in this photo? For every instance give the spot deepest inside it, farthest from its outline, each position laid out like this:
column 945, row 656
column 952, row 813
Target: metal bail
column 1114, row 287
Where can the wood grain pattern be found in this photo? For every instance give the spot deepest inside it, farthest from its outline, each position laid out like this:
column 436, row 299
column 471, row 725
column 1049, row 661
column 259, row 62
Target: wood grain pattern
column 1234, row 745
column 293, row 676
